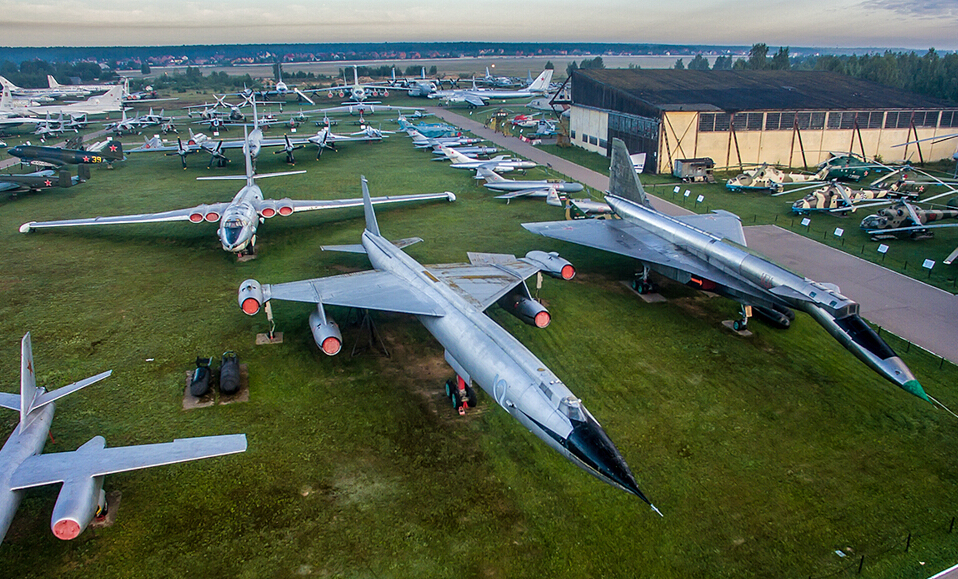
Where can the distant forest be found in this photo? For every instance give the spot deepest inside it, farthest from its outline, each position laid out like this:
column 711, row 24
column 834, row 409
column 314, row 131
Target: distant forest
column 931, row 74
column 934, row 74
column 352, row 51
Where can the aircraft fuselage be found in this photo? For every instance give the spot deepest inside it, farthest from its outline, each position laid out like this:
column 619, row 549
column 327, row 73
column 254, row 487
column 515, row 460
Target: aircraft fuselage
column 508, row 372
column 21, row 445
column 770, row 285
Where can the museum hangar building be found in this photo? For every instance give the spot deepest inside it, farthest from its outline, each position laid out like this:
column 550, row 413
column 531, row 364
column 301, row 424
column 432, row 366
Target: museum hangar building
column 790, row 118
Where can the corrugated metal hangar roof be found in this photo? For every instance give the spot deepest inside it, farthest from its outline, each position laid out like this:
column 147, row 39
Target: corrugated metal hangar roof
column 738, row 90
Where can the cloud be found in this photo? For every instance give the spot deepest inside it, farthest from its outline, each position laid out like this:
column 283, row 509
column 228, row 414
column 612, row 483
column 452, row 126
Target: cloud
column 947, row 9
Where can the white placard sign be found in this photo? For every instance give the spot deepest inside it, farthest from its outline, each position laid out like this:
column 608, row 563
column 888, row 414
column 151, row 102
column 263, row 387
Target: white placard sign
column 882, row 248
column 839, row 232
column 806, row 222
column 928, row 263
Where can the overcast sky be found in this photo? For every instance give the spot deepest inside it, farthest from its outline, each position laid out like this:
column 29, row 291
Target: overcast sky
column 917, row 24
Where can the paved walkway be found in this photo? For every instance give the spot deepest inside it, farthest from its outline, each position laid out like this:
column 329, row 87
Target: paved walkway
column 920, row 313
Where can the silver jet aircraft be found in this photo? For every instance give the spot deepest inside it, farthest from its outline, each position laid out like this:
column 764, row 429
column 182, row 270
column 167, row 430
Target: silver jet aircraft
column 499, row 163
column 449, row 300
column 707, row 252
column 240, row 217
column 477, row 97
column 81, row 471
column 514, row 188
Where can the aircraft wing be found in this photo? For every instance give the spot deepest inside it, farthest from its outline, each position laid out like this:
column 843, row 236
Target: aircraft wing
column 358, row 202
column 720, row 223
column 625, row 238
column 487, row 277
column 531, row 192
column 93, row 459
column 175, row 215
column 11, row 401
column 371, row 290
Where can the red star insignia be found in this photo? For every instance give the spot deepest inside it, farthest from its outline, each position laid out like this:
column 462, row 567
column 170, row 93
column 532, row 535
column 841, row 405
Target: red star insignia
column 86, row 159
column 48, row 183
column 113, row 148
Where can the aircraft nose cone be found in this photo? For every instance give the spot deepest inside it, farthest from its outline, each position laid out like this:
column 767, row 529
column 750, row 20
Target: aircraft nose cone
column 589, row 443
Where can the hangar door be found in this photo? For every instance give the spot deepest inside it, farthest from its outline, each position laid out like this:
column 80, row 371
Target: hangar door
column 640, row 135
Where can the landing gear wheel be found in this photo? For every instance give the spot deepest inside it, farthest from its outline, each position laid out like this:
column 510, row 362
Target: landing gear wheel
column 471, row 396
column 456, row 402
column 448, row 388
column 740, row 325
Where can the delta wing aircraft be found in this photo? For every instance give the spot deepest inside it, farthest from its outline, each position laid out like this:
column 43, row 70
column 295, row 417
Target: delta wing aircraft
column 240, row 217
column 449, row 300
column 707, row 252
column 81, row 471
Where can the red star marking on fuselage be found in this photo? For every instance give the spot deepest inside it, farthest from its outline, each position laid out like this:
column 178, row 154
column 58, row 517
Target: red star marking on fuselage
column 113, row 148
column 48, row 183
column 86, row 159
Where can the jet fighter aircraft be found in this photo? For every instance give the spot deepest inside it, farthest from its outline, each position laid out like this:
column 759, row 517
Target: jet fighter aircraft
column 81, row 471
column 500, row 163
column 514, row 188
column 449, row 300
column 477, row 97
column 705, row 251
column 240, row 217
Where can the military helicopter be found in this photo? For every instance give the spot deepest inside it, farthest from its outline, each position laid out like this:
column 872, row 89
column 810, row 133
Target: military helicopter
column 766, row 178
column 839, row 198
column 904, row 217
column 848, row 167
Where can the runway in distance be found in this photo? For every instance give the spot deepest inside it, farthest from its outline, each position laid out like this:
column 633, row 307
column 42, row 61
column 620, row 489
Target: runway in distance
column 708, row 252
column 449, row 301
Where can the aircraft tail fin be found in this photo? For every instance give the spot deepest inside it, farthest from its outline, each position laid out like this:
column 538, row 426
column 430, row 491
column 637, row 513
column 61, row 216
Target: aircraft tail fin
column 113, row 97
column 7, row 84
column 6, row 99
column 489, row 175
column 113, row 150
column 624, row 181
column 65, row 179
column 52, row 82
column 31, row 397
column 372, row 225
column 541, row 83
column 250, row 175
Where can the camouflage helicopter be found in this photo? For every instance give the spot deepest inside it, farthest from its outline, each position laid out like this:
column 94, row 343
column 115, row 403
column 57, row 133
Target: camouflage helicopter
column 839, row 198
column 766, row 178
column 903, row 216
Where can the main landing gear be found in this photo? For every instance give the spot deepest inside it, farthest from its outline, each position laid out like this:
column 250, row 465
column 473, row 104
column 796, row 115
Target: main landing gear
column 642, row 284
column 742, row 324
column 462, row 395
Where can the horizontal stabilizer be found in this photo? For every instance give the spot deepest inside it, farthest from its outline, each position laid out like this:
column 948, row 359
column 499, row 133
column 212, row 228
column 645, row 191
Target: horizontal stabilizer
column 718, row 223
column 94, row 460
column 351, row 248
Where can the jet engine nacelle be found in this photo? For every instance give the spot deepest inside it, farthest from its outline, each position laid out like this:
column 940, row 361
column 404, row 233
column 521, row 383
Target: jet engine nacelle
column 552, row 264
column 204, row 212
column 250, row 296
column 526, row 309
column 268, row 209
column 326, row 333
column 285, row 206
column 77, row 504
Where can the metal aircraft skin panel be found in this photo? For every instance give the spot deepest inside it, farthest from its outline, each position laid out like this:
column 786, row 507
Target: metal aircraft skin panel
column 482, row 285
column 370, row 290
column 501, row 365
column 22, row 465
column 694, row 249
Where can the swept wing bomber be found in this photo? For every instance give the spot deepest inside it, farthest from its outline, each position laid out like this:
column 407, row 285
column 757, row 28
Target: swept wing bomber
column 707, row 252
column 449, row 300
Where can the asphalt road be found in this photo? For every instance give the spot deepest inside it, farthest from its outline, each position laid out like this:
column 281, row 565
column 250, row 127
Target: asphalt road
column 920, row 313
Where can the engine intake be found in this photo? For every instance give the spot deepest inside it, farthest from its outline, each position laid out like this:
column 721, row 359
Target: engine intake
column 250, row 296
column 552, row 264
column 326, row 333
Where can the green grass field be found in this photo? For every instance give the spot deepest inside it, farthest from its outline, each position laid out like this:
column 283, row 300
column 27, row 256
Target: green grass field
column 766, row 454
